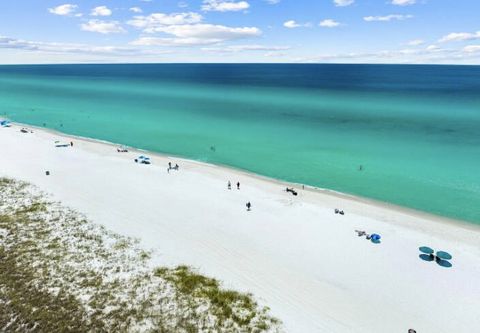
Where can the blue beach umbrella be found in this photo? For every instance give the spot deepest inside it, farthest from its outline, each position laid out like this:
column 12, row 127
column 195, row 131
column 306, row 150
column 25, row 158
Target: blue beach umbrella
column 426, row 249
column 375, row 237
column 444, row 255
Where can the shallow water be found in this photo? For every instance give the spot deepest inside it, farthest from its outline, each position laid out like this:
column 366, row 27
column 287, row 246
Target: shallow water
column 408, row 135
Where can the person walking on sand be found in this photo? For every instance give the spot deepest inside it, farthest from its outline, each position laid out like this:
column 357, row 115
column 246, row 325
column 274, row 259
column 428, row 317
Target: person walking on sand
column 238, row 185
column 169, row 165
column 229, row 185
column 71, row 143
column 249, row 206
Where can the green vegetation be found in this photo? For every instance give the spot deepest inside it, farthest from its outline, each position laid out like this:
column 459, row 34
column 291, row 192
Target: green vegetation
column 61, row 273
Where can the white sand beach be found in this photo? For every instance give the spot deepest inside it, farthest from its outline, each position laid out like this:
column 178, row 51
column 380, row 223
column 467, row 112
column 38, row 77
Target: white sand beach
column 292, row 252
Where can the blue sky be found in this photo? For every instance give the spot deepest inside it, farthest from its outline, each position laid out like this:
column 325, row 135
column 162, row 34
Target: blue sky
column 305, row 31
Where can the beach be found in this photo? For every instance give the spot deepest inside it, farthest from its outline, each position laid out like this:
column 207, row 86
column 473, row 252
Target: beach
column 293, row 253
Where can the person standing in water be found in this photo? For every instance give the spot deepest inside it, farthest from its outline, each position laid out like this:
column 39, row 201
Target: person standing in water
column 238, row 185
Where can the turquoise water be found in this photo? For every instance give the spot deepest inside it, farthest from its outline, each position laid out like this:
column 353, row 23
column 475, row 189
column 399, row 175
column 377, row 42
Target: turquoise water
column 415, row 130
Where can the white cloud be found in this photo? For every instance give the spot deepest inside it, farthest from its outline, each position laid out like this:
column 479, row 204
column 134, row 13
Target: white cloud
column 460, row 36
column 101, row 11
column 291, row 24
column 387, row 18
column 64, row 10
column 198, row 34
column 224, row 5
column 136, row 10
column 210, row 31
column 103, row 27
column 243, row 48
column 152, row 23
column 19, row 44
column 432, row 48
column 343, row 3
column 329, row 23
column 416, row 42
column 471, row 48
column 403, row 2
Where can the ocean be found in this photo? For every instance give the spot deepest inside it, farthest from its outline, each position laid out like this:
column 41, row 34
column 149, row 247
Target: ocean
column 403, row 134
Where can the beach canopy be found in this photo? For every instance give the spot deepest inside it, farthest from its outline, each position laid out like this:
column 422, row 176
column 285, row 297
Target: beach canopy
column 426, row 249
column 444, row 255
column 375, row 237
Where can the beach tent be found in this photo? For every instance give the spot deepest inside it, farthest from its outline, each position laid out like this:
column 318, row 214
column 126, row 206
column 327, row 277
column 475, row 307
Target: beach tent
column 4, row 123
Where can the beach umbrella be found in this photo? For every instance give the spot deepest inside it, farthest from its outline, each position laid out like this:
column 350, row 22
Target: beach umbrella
column 444, row 255
column 375, row 237
column 426, row 249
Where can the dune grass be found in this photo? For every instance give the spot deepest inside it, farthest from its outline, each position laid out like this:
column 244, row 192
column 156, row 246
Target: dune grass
column 62, row 273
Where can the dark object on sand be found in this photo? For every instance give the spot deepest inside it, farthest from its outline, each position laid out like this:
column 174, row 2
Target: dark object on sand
column 238, row 185
column 122, row 150
column 341, row 212
column 24, row 130
column 375, row 238
column 229, row 185
column 47, row 173
column 440, row 257
column 143, row 160
column 338, row 211
column 412, row 331
column 361, row 233
column 292, row 191
column 249, row 205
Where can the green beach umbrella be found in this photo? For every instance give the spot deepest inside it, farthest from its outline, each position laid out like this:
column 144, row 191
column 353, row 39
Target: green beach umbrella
column 426, row 249
column 444, row 255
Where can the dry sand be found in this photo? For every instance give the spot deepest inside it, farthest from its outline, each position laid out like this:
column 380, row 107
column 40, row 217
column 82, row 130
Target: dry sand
column 293, row 253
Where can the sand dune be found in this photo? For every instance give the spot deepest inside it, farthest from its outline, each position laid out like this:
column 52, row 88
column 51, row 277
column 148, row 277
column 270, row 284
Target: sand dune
column 292, row 252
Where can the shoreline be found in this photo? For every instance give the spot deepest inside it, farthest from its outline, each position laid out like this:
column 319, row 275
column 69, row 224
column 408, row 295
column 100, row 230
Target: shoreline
column 468, row 225
column 297, row 257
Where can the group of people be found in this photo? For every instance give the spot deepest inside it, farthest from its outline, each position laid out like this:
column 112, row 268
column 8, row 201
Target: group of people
column 229, row 185
column 248, row 204
column 170, row 167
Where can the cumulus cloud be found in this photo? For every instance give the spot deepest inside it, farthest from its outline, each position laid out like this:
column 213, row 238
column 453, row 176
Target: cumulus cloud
column 156, row 21
column 64, row 10
column 103, row 27
column 403, row 2
column 101, row 11
column 460, row 36
column 387, row 18
column 197, row 34
column 329, row 23
column 343, row 3
column 224, row 5
column 291, row 24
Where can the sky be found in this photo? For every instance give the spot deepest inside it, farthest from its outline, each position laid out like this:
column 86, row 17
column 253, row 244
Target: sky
column 260, row 31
